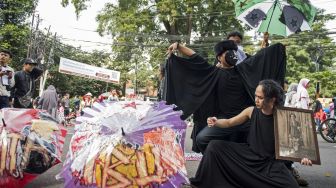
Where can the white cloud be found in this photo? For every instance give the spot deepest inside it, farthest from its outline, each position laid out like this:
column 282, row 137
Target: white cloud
column 63, row 21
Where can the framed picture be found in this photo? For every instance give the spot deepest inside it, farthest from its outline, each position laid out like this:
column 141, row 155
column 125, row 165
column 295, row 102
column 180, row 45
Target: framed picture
column 295, row 137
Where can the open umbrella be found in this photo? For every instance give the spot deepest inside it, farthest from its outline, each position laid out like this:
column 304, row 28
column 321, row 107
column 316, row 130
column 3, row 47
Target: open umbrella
column 31, row 142
column 127, row 144
column 279, row 17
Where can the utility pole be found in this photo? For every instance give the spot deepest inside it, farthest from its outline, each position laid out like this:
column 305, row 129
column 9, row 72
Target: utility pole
column 49, row 62
column 316, row 55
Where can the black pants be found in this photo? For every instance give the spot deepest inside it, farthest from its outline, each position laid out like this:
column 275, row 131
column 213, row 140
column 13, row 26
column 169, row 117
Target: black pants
column 18, row 105
column 4, row 102
column 234, row 134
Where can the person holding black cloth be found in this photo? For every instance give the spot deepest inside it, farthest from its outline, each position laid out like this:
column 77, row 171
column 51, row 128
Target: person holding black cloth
column 24, row 87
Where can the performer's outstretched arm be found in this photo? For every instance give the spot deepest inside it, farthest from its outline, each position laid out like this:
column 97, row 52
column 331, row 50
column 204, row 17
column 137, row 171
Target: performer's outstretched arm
column 183, row 49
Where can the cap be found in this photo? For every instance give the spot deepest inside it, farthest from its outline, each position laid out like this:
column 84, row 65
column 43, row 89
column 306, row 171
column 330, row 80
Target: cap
column 28, row 61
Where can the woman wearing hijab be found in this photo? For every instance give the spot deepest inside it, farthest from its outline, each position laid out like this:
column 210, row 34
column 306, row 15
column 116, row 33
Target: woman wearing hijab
column 302, row 97
column 292, row 89
column 48, row 101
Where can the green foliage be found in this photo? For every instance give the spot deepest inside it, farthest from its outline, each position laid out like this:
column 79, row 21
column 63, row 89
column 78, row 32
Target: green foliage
column 142, row 30
column 14, row 30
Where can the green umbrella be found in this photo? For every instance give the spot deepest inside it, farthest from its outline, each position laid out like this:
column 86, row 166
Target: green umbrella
column 280, row 17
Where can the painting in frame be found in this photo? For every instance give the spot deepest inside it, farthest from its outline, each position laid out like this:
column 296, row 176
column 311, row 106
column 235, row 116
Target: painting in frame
column 295, row 136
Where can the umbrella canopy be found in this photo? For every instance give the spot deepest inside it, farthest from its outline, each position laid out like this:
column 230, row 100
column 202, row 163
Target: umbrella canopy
column 127, row 144
column 280, row 17
column 31, row 142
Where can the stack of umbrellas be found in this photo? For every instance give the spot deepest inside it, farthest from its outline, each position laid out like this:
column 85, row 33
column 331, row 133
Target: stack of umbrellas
column 127, row 144
column 31, row 142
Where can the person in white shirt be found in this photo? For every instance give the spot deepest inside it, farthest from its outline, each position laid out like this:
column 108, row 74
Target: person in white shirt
column 6, row 78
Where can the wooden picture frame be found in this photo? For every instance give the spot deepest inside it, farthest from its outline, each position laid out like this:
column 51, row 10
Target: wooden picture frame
column 295, row 136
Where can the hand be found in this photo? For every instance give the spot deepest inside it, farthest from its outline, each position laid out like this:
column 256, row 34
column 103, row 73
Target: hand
column 219, row 65
column 211, row 121
column 171, row 48
column 10, row 74
column 306, row 161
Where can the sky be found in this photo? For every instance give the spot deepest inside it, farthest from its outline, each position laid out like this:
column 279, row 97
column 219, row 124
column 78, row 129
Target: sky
column 74, row 31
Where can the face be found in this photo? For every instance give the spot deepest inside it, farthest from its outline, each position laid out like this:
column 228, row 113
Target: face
column 259, row 97
column 261, row 101
column 307, row 86
column 28, row 67
column 292, row 117
column 236, row 39
column 4, row 58
column 222, row 60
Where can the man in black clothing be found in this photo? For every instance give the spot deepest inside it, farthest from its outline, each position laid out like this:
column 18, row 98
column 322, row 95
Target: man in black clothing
column 24, row 87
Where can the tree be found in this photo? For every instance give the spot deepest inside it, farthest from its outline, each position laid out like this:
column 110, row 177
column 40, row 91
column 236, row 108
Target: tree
column 14, row 30
column 311, row 55
column 142, row 30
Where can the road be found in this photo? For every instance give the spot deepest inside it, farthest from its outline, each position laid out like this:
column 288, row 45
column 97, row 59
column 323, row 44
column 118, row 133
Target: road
column 318, row 176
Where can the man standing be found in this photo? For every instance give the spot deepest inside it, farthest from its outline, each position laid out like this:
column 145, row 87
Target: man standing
column 66, row 104
column 25, row 83
column 7, row 79
column 237, row 38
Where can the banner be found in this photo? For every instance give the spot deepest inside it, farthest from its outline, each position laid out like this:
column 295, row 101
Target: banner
column 76, row 68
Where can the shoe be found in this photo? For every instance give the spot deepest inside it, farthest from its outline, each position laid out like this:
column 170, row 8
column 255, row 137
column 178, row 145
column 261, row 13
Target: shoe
column 299, row 180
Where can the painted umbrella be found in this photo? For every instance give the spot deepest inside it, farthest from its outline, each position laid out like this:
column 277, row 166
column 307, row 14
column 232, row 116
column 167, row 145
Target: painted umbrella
column 31, row 142
column 127, row 144
column 279, row 17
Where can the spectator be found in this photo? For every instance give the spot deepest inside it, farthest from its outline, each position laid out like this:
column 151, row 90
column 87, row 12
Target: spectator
column 113, row 96
column 319, row 114
column 7, row 79
column 48, row 101
column 290, row 101
column 76, row 101
column 332, row 108
column 301, row 97
column 66, row 104
column 237, row 37
column 24, row 87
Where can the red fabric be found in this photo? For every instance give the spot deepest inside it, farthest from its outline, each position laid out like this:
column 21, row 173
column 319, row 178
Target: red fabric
column 320, row 115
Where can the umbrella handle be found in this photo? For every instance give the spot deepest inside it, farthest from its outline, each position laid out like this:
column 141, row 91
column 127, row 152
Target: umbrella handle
column 3, row 122
column 122, row 131
column 265, row 43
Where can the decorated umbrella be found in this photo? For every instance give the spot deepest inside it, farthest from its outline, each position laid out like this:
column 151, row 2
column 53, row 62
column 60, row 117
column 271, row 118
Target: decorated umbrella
column 279, row 17
column 127, row 144
column 31, row 142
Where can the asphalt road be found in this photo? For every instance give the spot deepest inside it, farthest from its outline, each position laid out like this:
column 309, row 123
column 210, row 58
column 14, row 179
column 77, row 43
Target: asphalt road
column 318, row 176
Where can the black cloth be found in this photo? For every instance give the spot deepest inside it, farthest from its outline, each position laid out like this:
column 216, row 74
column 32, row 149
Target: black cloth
column 204, row 90
column 253, row 164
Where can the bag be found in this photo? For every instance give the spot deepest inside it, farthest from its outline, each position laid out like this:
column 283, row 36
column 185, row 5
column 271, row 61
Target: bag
column 25, row 101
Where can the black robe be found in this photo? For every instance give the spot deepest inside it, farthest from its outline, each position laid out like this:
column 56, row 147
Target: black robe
column 227, row 164
column 204, row 90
